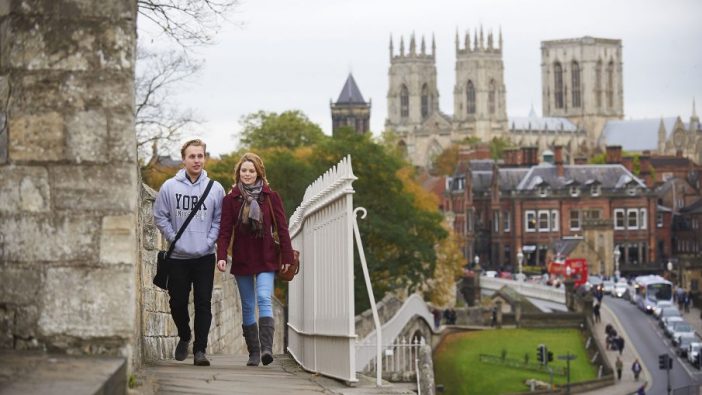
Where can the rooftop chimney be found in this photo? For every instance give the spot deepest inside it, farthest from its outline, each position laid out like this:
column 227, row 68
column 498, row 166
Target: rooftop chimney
column 614, row 154
column 558, row 159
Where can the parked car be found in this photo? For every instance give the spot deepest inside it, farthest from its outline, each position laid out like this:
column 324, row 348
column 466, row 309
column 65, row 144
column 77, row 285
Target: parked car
column 669, row 322
column 692, row 352
column 491, row 273
column 666, row 313
column 660, row 306
column 681, row 329
column 608, row 286
column 683, row 343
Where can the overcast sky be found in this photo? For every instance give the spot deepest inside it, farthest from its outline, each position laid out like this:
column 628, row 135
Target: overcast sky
column 295, row 54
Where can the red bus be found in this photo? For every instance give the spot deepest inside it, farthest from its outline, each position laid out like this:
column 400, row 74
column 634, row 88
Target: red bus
column 578, row 270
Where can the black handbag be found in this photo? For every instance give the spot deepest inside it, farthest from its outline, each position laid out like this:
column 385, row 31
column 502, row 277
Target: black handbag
column 161, row 278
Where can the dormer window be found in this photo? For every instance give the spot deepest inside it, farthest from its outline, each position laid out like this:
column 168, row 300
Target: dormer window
column 631, row 190
column 595, row 189
column 543, row 190
column 574, row 191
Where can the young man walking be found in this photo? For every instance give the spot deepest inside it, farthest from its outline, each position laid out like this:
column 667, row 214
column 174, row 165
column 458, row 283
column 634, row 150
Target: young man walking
column 193, row 260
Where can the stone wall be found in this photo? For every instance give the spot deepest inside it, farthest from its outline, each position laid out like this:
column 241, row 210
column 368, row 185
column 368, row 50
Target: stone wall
column 68, row 167
column 157, row 331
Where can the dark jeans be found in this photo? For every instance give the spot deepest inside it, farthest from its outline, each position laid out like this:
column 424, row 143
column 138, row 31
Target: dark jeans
column 200, row 273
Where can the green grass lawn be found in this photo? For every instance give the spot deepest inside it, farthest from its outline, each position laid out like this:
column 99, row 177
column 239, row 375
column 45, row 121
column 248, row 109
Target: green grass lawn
column 457, row 365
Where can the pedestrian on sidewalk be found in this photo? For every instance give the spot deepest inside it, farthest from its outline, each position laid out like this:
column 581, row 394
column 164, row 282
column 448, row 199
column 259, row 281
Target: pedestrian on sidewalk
column 619, row 365
column 686, row 301
column 620, row 345
column 636, row 368
column 596, row 312
column 191, row 258
column 251, row 214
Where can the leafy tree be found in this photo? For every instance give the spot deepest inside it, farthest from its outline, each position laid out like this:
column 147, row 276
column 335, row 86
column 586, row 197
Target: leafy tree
column 445, row 163
column 441, row 288
column 498, row 146
column 290, row 129
column 398, row 238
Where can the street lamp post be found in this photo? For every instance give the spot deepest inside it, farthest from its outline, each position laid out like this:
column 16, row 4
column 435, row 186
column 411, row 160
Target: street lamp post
column 617, row 255
column 477, row 261
column 520, row 260
column 670, row 268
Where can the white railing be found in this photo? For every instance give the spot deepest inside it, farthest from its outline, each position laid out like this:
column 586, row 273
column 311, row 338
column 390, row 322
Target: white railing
column 321, row 331
column 537, row 291
column 412, row 307
column 398, row 358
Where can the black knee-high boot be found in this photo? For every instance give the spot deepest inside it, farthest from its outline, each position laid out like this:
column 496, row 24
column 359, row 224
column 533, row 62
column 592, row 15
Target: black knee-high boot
column 252, row 344
column 267, row 327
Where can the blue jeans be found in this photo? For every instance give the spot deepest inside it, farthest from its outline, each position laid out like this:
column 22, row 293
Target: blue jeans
column 249, row 296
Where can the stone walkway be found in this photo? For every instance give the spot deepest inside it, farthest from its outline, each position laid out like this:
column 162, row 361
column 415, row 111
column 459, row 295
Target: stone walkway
column 229, row 375
column 626, row 385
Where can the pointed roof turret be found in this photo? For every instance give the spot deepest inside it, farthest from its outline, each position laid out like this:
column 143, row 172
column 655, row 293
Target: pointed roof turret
column 350, row 94
column 694, row 110
column 433, row 45
column 500, row 40
column 423, row 46
column 402, row 46
column 413, row 45
column 391, row 48
column 458, row 43
column 467, row 40
column 482, row 39
column 475, row 39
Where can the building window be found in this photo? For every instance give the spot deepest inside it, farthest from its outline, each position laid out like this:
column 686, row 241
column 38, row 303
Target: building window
column 507, row 217
column 575, row 82
column 404, row 102
column 598, row 84
column 619, row 219
column 631, row 190
column 595, row 190
column 659, row 219
column 643, row 218
column 425, row 101
column 632, row 216
column 592, row 214
column 610, row 84
column 543, row 190
column 530, row 221
column 508, row 254
column 574, row 219
column 496, row 221
column 491, row 96
column 543, row 221
column 554, row 220
column 574, row 191
column 470, row 98
column 558, row 82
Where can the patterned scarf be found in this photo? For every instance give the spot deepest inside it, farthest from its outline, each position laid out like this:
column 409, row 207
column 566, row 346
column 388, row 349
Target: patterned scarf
column 250, row 212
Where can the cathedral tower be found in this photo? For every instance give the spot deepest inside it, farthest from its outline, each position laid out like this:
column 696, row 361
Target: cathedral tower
column 479, row 107
column 582, row 80
column 350, row 109
column 412, row 95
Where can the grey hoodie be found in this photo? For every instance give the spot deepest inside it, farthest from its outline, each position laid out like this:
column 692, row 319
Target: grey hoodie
column 176, row 198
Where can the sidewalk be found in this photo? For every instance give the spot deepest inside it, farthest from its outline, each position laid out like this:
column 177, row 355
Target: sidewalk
column 626, row 385
column 229, row 375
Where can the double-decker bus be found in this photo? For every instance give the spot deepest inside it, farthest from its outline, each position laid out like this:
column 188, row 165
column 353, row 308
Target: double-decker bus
column 569, row 268
column 650, row 290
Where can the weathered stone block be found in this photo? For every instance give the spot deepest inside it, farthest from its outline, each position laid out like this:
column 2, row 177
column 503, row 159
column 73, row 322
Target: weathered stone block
column 7, row 318
column 122, row 138
column 20, row 286
column 78, row 45
column 111, row 188
column 25, row 325
column 44, row 238
column 118, row 241
column 37, row 137
column 24, row 188
column 71, row 9
column 86, row 133
column 4, row 7
column 87, row 302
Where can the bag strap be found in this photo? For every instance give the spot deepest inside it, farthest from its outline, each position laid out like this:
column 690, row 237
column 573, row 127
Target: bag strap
column 190, row 217
column 275, row 228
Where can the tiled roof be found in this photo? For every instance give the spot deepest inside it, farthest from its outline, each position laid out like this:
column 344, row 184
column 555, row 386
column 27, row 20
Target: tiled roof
column 609, row 176
column 542, row 123
column 350, row 94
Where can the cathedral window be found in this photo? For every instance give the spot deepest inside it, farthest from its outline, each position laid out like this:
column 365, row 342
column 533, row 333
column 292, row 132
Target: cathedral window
column 610, row 84
column 558, row 82
column 598, row 84
column 491, row 97
column 425, row 101
column 470, row 98
column 575, row 74
column 404, row 102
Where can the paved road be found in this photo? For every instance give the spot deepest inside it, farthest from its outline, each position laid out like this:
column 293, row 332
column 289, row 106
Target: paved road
column 650, row 342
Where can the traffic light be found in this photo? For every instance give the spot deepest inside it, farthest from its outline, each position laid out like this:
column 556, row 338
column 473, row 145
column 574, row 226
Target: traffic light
column 541, row 354
column 550, row 356
column 665, row 362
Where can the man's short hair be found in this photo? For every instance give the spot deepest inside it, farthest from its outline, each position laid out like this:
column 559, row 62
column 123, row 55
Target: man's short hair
column 193, row 142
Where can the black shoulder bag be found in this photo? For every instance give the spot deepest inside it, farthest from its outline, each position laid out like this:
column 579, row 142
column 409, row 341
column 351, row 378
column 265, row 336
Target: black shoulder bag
column 162, row 268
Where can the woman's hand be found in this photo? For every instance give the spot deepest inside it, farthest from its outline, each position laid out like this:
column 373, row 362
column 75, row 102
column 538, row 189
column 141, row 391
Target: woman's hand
column 221, row 265
column 285, row 268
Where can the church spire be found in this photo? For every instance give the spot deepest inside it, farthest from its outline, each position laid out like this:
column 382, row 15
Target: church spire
column 475, row 39
column 424, row 47
column 433, row 46
column 402, row 46
column 482, row 39
column 500, row 39
column 413, row 46
column 489, row 39
column 391, row 49
column 467, row 40
column 458, row 42
column 694, row 110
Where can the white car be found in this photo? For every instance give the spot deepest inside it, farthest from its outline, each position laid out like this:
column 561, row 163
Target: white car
column 668, row 323
column 692, row 351
column 620, row 289
column 608, row 286
column 681, row 329
column 659, row 307
column 491, row 273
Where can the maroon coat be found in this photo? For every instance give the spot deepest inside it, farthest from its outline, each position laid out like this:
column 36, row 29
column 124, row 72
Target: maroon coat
column 251, row 254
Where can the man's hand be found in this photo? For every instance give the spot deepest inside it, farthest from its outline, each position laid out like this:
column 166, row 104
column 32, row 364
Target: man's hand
column 221, row 265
